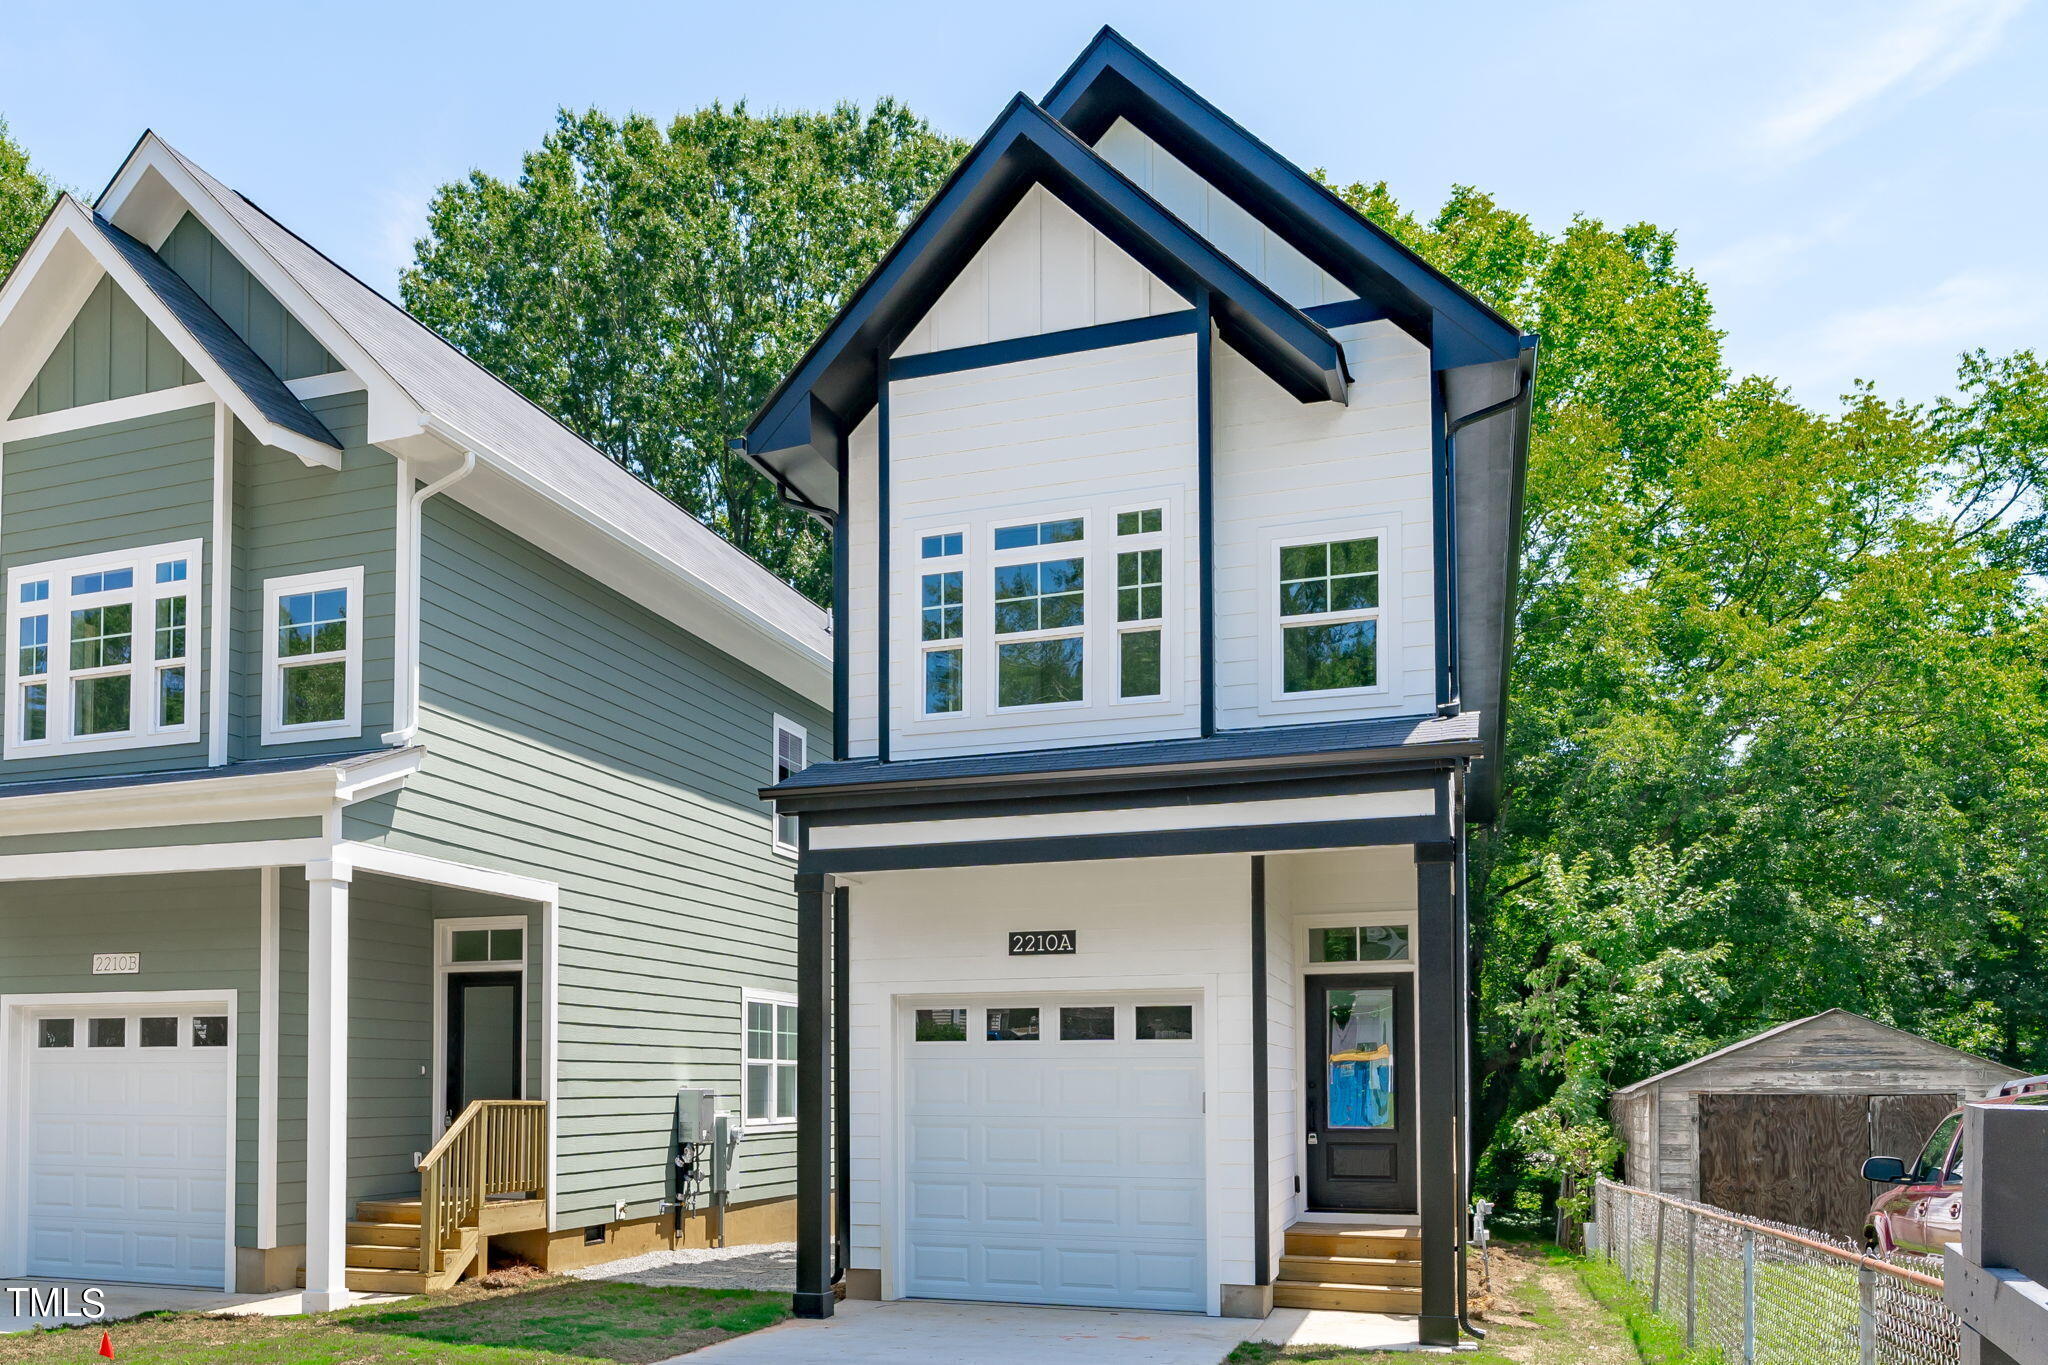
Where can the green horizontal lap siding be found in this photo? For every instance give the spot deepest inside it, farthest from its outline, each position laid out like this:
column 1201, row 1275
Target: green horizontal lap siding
column 109, row 351
column 194, row 930
column 294, row 519
column 576, row 737
column 244, row 304
column 99, row 490
column 391, row 1102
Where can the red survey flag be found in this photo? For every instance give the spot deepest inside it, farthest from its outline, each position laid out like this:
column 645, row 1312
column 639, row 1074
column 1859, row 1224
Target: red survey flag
column 107, row 1345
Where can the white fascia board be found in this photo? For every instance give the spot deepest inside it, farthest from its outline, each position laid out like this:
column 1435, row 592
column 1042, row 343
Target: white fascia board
column 71, row 219
column 146, row 198
column 306, row 792
column 615, row 557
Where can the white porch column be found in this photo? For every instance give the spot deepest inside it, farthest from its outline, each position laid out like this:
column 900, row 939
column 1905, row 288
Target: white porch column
column 326, row 1084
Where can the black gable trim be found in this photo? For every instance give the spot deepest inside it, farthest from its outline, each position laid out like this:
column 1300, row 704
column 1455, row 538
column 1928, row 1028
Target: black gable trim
column 797, row 434
column 1113, row 79
column 244, row 367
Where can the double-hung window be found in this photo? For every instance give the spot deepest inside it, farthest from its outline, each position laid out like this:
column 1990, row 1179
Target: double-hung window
column 1140, row 602
column 1038, row 606
column 313, row 656
column 1329, row 608
column 942, row 622
column 792, row 744
column 105, row 651
column 770, row 1079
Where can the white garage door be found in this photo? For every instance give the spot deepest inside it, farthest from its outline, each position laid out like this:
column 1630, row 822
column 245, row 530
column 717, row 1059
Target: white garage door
column 124, row 1174
column 1053, row 1154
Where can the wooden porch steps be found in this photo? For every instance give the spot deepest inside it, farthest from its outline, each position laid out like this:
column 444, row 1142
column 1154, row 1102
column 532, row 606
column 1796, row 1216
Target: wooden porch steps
column 1350, row 1268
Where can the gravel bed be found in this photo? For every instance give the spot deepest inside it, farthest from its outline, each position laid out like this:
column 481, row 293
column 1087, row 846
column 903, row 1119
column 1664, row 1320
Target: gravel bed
column 770, row 1266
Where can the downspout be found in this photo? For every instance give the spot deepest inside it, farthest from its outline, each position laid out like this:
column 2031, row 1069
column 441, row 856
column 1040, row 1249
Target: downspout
column 1454, row 701
column 405, row 692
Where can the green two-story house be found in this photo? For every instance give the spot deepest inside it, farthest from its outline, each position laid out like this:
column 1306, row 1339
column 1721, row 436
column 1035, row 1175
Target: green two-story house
column 380, row 846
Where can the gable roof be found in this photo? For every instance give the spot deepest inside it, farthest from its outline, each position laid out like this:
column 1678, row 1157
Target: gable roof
column 554, row 487
column 1797, row 1024
column 1113, row 78
column 243, row 366
column 794, row 437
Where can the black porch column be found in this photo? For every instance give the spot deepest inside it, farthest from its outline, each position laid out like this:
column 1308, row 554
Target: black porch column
column 814, row 1247
column 1437, row 1008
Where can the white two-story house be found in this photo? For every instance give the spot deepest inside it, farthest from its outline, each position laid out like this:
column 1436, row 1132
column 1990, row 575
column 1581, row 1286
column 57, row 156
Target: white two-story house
column 1176, row 515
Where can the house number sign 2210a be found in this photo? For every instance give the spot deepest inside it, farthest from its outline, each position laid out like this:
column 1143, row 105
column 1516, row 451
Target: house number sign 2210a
column 1038, row 942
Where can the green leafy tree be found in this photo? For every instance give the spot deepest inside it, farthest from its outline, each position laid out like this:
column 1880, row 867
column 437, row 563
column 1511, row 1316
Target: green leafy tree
column 649, row 284
column 1778, row 721
column 25, row 197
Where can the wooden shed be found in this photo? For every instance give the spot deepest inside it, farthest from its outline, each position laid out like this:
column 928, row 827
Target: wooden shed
column 1777, row 1126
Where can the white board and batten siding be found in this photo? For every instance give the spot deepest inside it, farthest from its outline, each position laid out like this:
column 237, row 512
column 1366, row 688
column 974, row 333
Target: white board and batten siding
column 1162, row 930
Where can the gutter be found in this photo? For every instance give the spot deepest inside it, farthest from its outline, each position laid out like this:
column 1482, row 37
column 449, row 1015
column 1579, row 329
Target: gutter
column 405, row 690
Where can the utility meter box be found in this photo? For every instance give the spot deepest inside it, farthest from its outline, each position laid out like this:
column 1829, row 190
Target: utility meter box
column 696, row 1115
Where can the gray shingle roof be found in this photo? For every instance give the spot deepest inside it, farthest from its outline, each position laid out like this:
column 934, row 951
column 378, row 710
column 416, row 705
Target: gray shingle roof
column 1270, row 745
column 254, row 378
column 445, row 382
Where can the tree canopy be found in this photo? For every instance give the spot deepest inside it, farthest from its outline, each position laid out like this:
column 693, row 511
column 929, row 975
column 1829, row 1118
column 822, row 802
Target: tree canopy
column 25, row 196
column 1779, row 720
column 649, row 285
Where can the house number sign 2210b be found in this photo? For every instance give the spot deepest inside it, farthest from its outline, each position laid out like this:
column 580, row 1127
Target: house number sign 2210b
column 1038, row 942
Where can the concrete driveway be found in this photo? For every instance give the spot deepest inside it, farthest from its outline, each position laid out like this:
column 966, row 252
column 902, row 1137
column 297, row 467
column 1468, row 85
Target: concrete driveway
column 905, row 1330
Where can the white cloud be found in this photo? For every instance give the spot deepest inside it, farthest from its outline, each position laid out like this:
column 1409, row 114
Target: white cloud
column 1765, row 257
column 1909, row 347
column 1924, row 45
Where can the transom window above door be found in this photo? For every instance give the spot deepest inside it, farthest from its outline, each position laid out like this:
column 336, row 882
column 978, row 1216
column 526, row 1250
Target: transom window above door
column 1359, row 943
column 105, row 651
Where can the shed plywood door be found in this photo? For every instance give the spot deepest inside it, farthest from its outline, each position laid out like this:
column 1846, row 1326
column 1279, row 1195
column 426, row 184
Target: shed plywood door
column 1789, row 1158
column 1899, row 1125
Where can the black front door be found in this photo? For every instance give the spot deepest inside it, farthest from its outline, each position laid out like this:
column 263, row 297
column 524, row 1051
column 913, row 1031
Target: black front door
column 484, row 1015
column 1361, row 1100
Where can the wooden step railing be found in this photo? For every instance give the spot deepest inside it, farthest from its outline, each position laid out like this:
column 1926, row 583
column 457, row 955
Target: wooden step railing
column 493, row 1147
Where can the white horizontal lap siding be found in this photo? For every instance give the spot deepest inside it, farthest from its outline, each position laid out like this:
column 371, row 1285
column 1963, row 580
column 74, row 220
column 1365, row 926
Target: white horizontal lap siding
column 1043, row 270
column 1218, row 217
column 863, row 678
column 1089, row 433
column 1158, row 924
column 1286, row 469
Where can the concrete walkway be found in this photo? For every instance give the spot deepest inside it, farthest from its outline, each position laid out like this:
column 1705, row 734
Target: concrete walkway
column 907, row 1330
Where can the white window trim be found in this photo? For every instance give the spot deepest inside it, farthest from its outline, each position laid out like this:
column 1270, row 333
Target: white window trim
column 783, row 725
column 961, row 643
column 274, row 731
column 1162, row 541
column 1086, row 550
column 142, row 668
column 1278, row 625
column 445, row 966
column 751, row 996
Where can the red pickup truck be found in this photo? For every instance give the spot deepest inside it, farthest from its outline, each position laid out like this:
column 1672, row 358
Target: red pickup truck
column 1924, row 1208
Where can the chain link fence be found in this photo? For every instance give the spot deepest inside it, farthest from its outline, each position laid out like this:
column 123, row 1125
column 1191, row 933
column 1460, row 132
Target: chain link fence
column 1766, row 1294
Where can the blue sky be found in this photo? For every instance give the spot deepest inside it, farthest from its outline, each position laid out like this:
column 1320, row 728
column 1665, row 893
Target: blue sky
column 1861, row 184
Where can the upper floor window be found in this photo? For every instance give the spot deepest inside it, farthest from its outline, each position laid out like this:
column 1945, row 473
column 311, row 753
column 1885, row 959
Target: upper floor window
column 1329, row 612
column 792, row 756
column 1140, row 602
column 945, row 545
column 105, row 649
column 313, row 656
column 1039, row 610
column 942, row 623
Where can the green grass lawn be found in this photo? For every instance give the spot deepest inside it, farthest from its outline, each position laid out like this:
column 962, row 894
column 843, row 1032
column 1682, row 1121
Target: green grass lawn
column 1548, row 1308
column 546, row 1321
